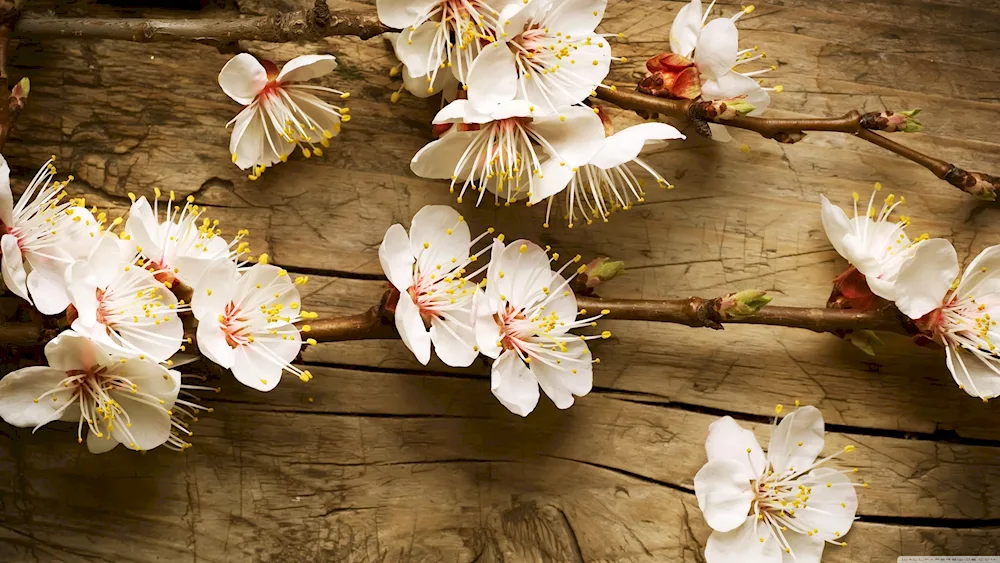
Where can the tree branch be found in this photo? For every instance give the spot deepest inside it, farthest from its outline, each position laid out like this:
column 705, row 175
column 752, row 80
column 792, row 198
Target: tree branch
column 10, row 109
column 303, row 25
column 788, row 131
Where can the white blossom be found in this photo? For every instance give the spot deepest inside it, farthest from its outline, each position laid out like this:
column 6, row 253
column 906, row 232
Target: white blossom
column 959, row 314
column 444, row 82
column 117, row 399
column 281, row 112
column 120, row 304
column 180, row 246
column 507, row 150
column 780, row 508
column 40, row 237
column 608, row 182
column 428, row 267
column 246, row 322
column 546, row 53
column 524, row 320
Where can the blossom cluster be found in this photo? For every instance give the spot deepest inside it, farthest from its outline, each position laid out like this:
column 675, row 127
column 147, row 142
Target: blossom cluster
column 517, row 75
column 112, row 371
column 921, row 277
column 520, row 313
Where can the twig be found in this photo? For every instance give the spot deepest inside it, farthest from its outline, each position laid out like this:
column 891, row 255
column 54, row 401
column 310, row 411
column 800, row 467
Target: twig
column 376, row 323
column 10, row 108
column 303, row 25
column 854, row 123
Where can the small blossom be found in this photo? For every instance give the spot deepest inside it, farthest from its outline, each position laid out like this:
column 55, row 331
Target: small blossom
column 428, row 267
column 280, row 113
column 246, row 322
column 40, row 237
column 784, row 506
column 117, row 399
column 608, row 182
column 873, row 242
column 506, row 151
column 546, row 54
column 958, row 314
column 120, row 304
column 180, row 247
column 524, row 320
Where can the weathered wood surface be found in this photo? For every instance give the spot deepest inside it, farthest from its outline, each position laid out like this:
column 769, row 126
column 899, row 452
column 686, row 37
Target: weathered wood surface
column 381, row 459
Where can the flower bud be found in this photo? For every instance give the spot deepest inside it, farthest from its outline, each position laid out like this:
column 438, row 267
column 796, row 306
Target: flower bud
column 596, row 272
column 865, row 340
column 903, row 121
column 743, row 303
column 727, row 109
column 671, row 76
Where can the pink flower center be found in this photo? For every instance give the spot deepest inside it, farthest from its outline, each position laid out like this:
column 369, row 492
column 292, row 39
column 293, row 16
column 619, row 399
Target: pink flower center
column 510, row 336
column 234, row 326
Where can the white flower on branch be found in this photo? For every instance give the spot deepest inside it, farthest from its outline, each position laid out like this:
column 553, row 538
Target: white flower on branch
column 180, row 247
column 280, row 113
column 524, row 320
column 874, row 243
column 117, row 399
column 608, row 182
column 960, row 314
column 428, row 267
column 713, row 54
column 782, row 507
column 120, row 304
column 546, row 53
column 440, row 39
column 506, row 151
column 246, row 322
column 40, row 237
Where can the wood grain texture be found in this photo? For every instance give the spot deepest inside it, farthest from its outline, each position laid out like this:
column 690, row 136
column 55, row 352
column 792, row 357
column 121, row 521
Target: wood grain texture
column 382, row 459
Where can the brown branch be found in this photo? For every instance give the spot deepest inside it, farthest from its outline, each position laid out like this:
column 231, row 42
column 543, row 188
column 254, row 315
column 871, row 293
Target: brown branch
column 10, row 109
column 854, row 123
column 303, row 25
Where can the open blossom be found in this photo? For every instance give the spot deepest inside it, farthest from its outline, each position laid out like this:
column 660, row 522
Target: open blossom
column 506, row 151
column 246, row 322
column 428, row 268
column 608, row 182
column 280, row 113
column 115, row 399
column 547, row 54
column 122, row 305
column 780, row 507
column 40, row 237
column 873, row 242
column 524, row 320
column 440, row 38
column 180, row 246
column 961, row 316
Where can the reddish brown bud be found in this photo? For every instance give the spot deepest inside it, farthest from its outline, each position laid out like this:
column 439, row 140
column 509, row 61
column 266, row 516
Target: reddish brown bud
column 671, row 76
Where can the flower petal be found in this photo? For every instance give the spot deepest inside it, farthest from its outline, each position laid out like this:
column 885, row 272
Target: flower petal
column 100, row 445
column 492, row 77
column 402, row 14
column 576, row 17
column 439, row 159
column 728, row 440
column 306, row 67
column 487, row 330
column 797, row 440
column 744, row 545
column 411, row 328
column 212, row 343
column 574, row 376
column 12, row 267
column 686, row 28
column 576, row 135
column 724, row 494
column 48, row 292
column 151, row 378
column 214, row 291
column 804, row 549
column 977, row 375
column 525, row 268
column 260, row 365
column 734, row 85
column 552, row 91
column 626, row 144
column 439, row 236
column 396, row 259
column 454, row 336
column 832, row 504
column 836, row 224
column 981, row 276
column 148, row 427
column 513, row 384
column 553, row 179
column 243, row 78
column 417, row 50
column 73, row 351
column 925, row 277
column 715, row 53
column 20, row 389
column 6, row 196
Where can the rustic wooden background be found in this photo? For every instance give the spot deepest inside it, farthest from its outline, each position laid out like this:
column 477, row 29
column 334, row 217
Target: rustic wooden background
column 381, row 459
